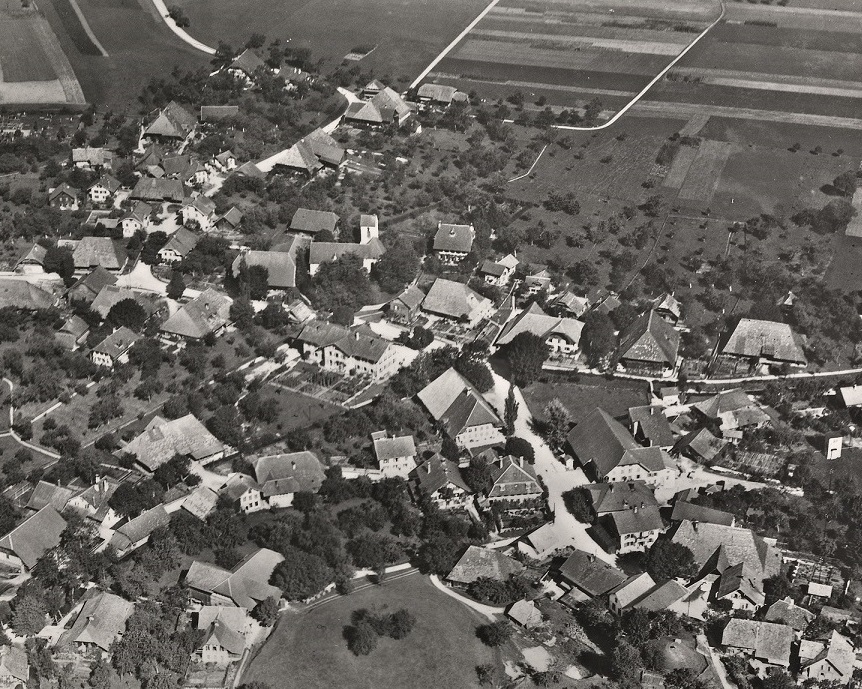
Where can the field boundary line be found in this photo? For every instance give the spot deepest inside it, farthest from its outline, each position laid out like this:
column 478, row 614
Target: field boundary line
column 527, row 173
column 449, row 47
column 652, row 83
column 59, row 62
column 86, row 26
column 162, row 9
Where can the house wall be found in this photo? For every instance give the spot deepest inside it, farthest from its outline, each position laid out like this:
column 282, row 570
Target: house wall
column 560, row 345
column 823, row 670
column 451, row 258
column 397, row 466
column 277, row 501
column 252, row 501
column 99, row 194
column 477, row 436
column 215, row 654
column 637, row 542
column 169, row 256
column 646, row 368
column 101, row 359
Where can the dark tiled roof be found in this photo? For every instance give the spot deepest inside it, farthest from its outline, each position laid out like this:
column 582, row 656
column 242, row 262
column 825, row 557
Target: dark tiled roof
column 289, row 473
column 182, row 241
column 117, row 343
column 757, row 338
column 453, row 401
column 151, row 189
column 650, row 338
column 591, row 575
column 437, row 472
column 483, row 562
column 312, row 222
column 653, row 425
column 458, row 238
column 35, row 536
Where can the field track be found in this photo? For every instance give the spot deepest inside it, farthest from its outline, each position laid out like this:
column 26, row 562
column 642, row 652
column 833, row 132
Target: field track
column 59, row 62
column 679, row 169
column 536, row 85
column 670, row 109
column 694, row 125
column 86, row 26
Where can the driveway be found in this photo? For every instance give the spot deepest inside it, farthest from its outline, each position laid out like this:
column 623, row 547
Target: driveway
column 567, row 530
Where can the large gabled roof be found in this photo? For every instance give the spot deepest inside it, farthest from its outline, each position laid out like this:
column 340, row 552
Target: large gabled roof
column 452, row 299
column 483, row 562
column 757, row 338
column 162, row 439
column 117, row 343
column 19, row 294
column 173, row 121
column 90, row 252
column 601, row 439
column 618, row 496
column 650, row 338
column 453, row 401
column 182, row 241
column 534, row 320
column 246, row 585
column 247, row 62
column 653, row 424
column 451, row 237
column 312, row 221
column 289, row 473
column 767, row 641
column 101, row 621
column 512, row 476
column 437, row 472
column 204, row 314
column 35, row 536
column 350, row 341
column 590, row 574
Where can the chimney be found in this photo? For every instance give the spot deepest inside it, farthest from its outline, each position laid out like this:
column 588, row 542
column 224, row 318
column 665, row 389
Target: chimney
column 293, row 465
column 591, row 557
column 452, row 232
column 694, row 524
column 636, row 509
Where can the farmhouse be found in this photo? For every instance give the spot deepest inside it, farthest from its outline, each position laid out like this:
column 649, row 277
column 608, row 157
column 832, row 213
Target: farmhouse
column 831, row 660
column 243, row 492
column 46, row 493
column 456, row 301
column 279, row 262
column 488, row 563
column 452, row 243
column 561, row 335
column 92, row 502
column 461, row 411
column 588, row 576
column 699, row 445
column 244, row 586
column 631, row 590
column 103, row 189
column 18, row 294
column 207, row 313
column 309, row 223
column 330, row 252
column 22, row 547
column 739, row 587
column 440, row 479
column 73, row 333
column 33, row 261
column 396, row 456
column 405, row 306
column 230, row 221
column 14, row 668
column 172, row 125
column 223, row 640
column 498, row 273
column 158, row 190
column 347, row 351
column 513, row 481
column 650, row 426
column 136, row 219
column 668, row 307
column 384, row 108
column 246, row 65
column 178, row 246
column 162, row 439
column 766, row 644
column 91, row 158
column 525, row 613
column 63, row 197
column 114, row 348
column 224, row 161
column 136, row 532
column 785, row 611
column 755, row 342
column 439, row 95
column 732, row 409
column 92, row 252
column 199, row 211
column 649, row 346
column 281, row 477
column 111, row 295
column 100, row 622
column 608, row 452
column 310, row 155
column 568, row 304
column 89, row 286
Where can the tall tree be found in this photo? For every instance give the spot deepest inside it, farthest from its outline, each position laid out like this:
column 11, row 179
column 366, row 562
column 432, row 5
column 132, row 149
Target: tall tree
column 526, row 354
column 598, row 338
column 510, row 411
column 176, row 286
column 557, row 422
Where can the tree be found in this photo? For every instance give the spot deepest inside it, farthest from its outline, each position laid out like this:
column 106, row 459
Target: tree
column 526, row 353
column 401, row 623
column 519, row 447
column 341, row 283
column 397, row 267
column 28, row 618
column 128, row 313
column 626, row 664
column 225, row 425
column 304, row 501
column 557, row 422
column 669, row 560
column 845, row 183
column 361, row 638
column 475, row 371
column 266, row 612
column 224, row 55
column 485, row 674
column 510, row 411
column 598, row 338
column 579, row 504
column 494, row 634
column 176, row 286
column 301, row 575
column 59, row 260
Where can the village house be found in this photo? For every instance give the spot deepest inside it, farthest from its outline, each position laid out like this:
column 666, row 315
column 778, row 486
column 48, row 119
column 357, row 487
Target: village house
column 538, row 280
column 351, row 352
column 22, row 547
column 45, row 493
column 73, row 333
column 733, row 410
column 766, row 645
column 384, row 108
column 498, row 273
column 405, row 307
column 368, row 250
column 753, row 343
column 162, row 439
column 633, row 530
column 525, row 613
column 230, row 221
column 452, row 243
column 91, row 252
column 785, row 611
column 63, row 197
column 99, row 623
column 244, row 492
column 279, row 262
column 14, row 667
column 103, row 190
column 396, row 456
column 246, row 66
column 137, row 219
column 244, row 586
column 684, row 509
column 440, row 479
column 831, row 660
column 111, row 295
column 668, row 307
column 152, row 190
column 461, row 411
column 315, row 153
column 588, row 577
column 19, row 294
column 281, row 477
column 608, row 452
column 136, row 532
column 173, row 125
column 33, row 261
column 178, row 246
column 114, row 349
column 224, row 634
column 740, row 588
column 562, row 336
column 439, row 96
column 310, row 223
column 674, row 597
column 199, row 211
column 226, row 161
column 513, row 481
column 650, row 427
column 699, row 445
column 92, row 158
column 631, row 590
column 93, row 504
column 649, row 346
column 478, row 562
column 568, row 304
column 88, row 287
column 456, row 301
column 206, row 314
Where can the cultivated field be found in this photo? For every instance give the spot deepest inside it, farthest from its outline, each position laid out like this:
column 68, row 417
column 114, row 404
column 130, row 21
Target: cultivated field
column 307, row 650
column 583, row 45
column 33, row 68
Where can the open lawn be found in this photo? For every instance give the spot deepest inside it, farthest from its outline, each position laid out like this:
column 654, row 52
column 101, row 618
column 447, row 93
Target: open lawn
column 21, row 58
column 408, row 34
column 585, row 394
column 308, row 651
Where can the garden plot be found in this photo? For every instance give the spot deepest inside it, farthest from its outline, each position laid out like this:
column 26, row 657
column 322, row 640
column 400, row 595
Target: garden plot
column 705, row 171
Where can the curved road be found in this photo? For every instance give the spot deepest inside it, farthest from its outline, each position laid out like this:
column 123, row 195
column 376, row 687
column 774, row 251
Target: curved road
column 162, row 9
